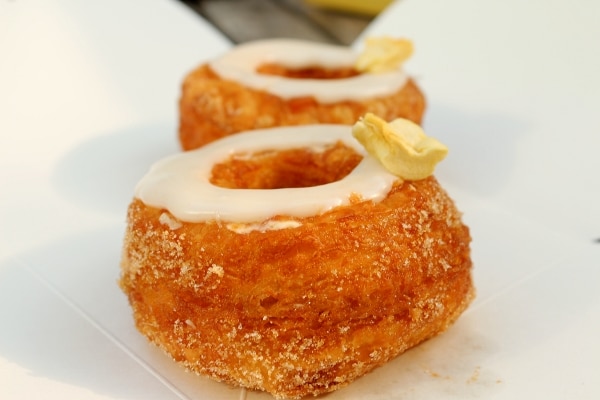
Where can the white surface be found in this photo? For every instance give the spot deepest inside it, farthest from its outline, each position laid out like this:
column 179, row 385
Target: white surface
column 88, row 95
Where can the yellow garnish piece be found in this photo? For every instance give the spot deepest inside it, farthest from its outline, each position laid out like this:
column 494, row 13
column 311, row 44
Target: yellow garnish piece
column 401, row 146
column 383, row 54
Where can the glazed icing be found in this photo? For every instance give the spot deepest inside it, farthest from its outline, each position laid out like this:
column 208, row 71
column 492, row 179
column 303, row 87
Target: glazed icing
column 181, row 183
column 240, row 65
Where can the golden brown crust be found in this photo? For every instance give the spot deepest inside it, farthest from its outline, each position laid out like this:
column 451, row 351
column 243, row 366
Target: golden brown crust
column 304, row 310
column 211, row 108
column 292, row 168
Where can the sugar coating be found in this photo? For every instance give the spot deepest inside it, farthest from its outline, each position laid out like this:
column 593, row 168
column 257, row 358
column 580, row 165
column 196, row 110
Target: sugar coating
column 300, row 311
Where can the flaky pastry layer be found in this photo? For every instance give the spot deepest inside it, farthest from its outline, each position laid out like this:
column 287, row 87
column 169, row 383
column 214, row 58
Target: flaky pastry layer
column 304, row 310
column 211, row 108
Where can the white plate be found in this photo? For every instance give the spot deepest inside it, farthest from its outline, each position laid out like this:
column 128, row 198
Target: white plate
column 88, row 101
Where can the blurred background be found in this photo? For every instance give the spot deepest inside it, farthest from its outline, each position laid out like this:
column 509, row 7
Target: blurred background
column 327, row 21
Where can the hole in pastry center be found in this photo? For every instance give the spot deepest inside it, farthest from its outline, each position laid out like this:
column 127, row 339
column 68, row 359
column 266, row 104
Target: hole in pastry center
column 312, row 72
column 290, row 168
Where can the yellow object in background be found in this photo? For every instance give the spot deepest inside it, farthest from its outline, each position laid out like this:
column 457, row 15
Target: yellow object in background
column 383, row 54
column 367, row 7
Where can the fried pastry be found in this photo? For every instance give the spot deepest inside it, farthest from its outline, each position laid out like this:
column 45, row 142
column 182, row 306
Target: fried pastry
column 281, row 82
column 290, row 260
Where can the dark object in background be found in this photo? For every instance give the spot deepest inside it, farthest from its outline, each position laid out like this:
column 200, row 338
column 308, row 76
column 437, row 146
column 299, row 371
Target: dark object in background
column 246, row 20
